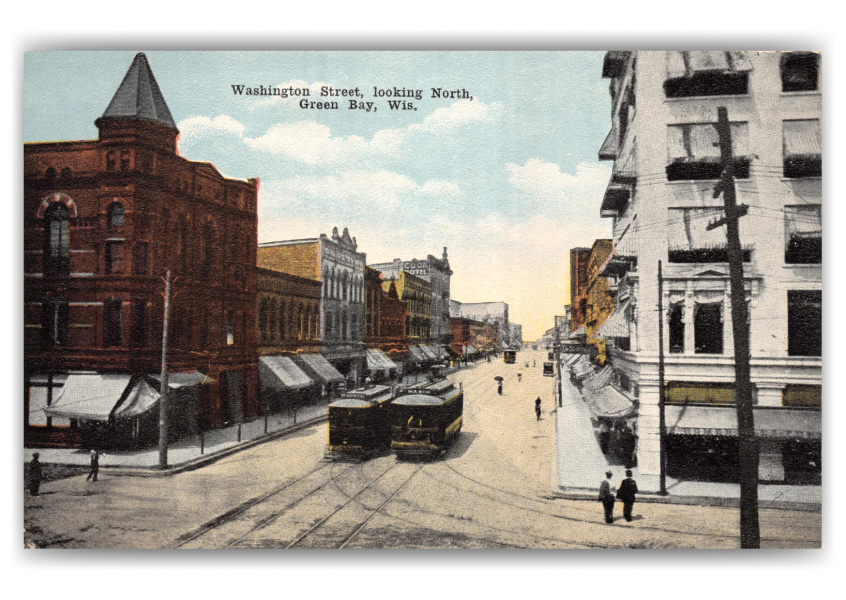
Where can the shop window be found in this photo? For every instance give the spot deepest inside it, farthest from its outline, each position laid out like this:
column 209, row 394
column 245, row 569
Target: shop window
column 803, row 234
column 114, row 257
column 708, row 328
column 706, row 73
column 113, row 323
column 693, row 151
column 139, row 258
column 802, row 396
column 230, row 328
column 804, row 323
column 54, row 323
column 116, row 214
column 800, row 72
column 690, row 240
column 676, row 328
column 56, row 253
column 138, row 326
column 802, row 145
column 683, row 392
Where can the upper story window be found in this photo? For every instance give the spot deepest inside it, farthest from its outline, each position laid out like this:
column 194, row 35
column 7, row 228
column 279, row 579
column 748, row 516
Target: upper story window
column 124, row 160
column 66, row 173
column 800, row 71
column 804, row 323
column 56, row 244
column 50, row 173
column 230, row 328
column 693, row 151
column 140, row 263
column 113, row 322
column 690, row 241
column 114, row 257
column 802, row 143
column 803, row 234
column 111, row 162
column 116, row 214
column 54, row 323
column 708, row 328
column 706, row 73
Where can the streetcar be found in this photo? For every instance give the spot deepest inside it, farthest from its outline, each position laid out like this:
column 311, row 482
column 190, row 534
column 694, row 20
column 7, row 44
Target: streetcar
column 358, row 422
column 509, row 356
column 426, row 419
column 548, row 369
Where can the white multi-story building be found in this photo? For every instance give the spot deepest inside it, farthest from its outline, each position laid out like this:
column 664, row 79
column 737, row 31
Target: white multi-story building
column 661, row 198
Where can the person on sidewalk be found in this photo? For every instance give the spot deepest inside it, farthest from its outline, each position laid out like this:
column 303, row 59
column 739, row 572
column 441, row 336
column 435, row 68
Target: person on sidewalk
column 34, row 475
column 606, row 496
column 95, row 466
column 626, row 494
column 538, row 407
column 499, row 388
column 519, row 377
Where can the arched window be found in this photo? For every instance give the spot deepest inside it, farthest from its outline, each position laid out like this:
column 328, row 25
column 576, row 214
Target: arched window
column 66, row 173
column 344, row 283
column 263, row 318
column 183, row 245
column 344, row 332
column 116, row 214
column 208, row 251
column 300, row 323
column 281, row 320
column 56, row 244
column 273, row 313
column 110, row 160
column 50, row 174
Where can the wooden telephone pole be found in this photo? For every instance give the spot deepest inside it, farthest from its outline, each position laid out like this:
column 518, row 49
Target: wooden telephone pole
column 750, row 536
column 662, row 392
column 163, row 407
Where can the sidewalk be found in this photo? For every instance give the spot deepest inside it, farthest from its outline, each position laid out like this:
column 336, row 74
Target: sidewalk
column 581, row 466
column 187, row 454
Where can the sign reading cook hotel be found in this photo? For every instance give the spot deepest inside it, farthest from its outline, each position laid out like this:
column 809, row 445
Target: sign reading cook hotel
column 416, row 267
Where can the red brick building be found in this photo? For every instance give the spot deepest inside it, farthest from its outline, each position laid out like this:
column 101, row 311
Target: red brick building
column 579, row 259
column 104, row 220
column 393, row 324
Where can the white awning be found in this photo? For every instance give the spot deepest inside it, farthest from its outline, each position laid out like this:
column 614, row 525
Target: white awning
column 608, row 402
column 802, row 138
column 89, row 396
column 579, row 332
column 783, row 423
column 428, row 352
column 378, row 361
column 318, row 367
column 616, row 325
column 608, row 150
column 600, row 379
column 699, row 142
column 281, row 373
column 183, row 379
column 142, row 397
column 686, row 63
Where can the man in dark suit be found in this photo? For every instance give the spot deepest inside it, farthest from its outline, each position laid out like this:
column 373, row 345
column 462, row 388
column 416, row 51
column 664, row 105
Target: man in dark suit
column 606, row 496
column 626, row 493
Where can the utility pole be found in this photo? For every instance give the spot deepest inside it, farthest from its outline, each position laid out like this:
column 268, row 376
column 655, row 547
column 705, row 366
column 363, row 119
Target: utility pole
column 558, row 361
column 662, row 392
column 163, row 407
column 750, row 536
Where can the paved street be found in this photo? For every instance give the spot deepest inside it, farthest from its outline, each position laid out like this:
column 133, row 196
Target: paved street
column 493, row 489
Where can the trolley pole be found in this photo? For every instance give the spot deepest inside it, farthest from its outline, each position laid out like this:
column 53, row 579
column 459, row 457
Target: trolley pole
column 558, row 361
column 163, row 407
column 662, row 392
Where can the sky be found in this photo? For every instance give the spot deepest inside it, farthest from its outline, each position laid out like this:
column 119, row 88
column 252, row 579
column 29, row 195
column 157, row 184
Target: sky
column 507, row 179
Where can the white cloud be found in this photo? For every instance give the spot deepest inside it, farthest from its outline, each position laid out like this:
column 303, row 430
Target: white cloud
column 195, row 127
column 447, row 119
column 547, row 180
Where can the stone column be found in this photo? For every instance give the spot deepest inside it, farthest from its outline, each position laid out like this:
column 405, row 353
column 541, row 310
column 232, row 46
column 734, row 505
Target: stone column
column 648, row 443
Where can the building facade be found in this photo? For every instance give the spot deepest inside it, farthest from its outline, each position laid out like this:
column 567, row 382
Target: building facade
column 661, row 200
column 416, row 293
column 288, row 314
column 437, row 272
column 579, row 259
column 600, row 302
column 338, row 265
column 104, row 220
column 393, row 324
column 493, row 313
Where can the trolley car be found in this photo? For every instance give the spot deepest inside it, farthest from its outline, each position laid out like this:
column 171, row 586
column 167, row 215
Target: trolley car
column 358, row 422
column 509, row 356
column 426, row 419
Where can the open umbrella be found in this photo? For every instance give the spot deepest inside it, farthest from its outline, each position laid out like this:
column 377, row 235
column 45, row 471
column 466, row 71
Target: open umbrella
column 498, row 378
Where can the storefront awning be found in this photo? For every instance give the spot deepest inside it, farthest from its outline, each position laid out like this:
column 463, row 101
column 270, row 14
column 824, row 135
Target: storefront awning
column 468, row 349
column 571, row 359
column 600, row 379
column 90, row 396
column 141, row 398
column 580, row 332
column 183, row 379
column 429, row 352
column 615, row 326
column 378, row 361
column 318, row 368
column 608, row 402
column 722, row 420
column 281, row 373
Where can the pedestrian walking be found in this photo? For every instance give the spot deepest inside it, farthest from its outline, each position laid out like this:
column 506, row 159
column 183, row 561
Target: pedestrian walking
column 606, row 496
column 626, row 494
column 95, row 466
column 519, row 377
column 534, row 363
column 34, row 475
column 538, row 407
column 499, row 388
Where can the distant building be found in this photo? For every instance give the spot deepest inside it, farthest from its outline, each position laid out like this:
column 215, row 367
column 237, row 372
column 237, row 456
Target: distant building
column 579, row 258
column 437, row 272
column 600, row 301
column 416, row 293
column 393, row 328
column 104, row 220
column 338, row 265
column 494, row 313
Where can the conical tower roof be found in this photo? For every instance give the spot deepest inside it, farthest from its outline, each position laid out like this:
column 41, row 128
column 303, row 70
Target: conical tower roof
column 139, row 96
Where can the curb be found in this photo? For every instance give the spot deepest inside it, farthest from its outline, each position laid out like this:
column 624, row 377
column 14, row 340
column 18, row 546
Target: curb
column 207, row 459
column 717, row 501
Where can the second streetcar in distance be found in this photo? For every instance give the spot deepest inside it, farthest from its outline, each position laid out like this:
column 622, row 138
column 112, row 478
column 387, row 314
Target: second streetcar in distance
column 426, row 419
column 358, row 422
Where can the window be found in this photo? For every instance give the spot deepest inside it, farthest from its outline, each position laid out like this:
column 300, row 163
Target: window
column 66, row 173
column 708, row 328
column 208, row 250
column 803, row 234
column 230, row 329
column 800, row 72
column 54, row 323
column 693, row 151
column 681, row 392
column 690, row 240
column 116, row 214
column 110, row 160
column 113, row 323
column 139, row 259
column 802, row 395
column 138, row 326
column 50, row 174
column 124, row 160
column 676, row 327
column 114, row 255
column 56, row 251
column 263, row 318
column 804, row 323
column 706, row 73
column 802, row 142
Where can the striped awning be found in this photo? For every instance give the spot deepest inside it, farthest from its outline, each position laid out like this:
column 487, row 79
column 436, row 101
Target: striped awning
column 580, row 332
column 608, row 402
column 318, row 368
column 615, row 326
column 90, row 396
column 281, row 373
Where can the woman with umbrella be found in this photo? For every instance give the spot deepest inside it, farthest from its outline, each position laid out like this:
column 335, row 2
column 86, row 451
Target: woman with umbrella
column 499, row 384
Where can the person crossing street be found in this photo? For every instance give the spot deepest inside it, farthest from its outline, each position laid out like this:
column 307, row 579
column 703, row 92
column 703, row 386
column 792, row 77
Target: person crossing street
column 538, row 407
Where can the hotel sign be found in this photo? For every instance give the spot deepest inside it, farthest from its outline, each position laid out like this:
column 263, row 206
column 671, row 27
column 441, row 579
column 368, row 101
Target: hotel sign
column 416, row 267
